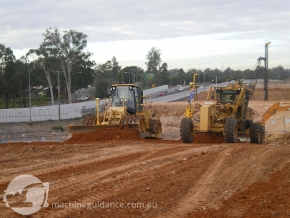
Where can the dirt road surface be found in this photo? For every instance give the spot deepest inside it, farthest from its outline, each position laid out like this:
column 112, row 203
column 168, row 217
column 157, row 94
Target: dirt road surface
column 116, row 174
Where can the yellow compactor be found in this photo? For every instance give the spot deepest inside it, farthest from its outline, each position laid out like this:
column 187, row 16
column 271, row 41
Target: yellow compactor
column 126, row 108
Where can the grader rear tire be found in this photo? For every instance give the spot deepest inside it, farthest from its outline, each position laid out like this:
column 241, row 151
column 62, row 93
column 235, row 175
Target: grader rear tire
column 262, row 132
column 256, row 133
column 231, row 130
column 186, row 130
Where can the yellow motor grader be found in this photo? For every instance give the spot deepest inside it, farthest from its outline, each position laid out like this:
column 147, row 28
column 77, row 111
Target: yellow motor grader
column 225, row 111
column 126, row 108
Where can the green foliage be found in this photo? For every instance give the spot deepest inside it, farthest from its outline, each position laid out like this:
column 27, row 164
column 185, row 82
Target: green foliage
column 69, row 52
column 154, row 60
column 7, row 70
column 164, row 68
column 102, row 86
column 57, row 128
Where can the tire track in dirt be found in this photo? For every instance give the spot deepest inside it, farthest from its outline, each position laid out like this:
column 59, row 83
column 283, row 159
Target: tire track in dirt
column 156, row 173
column 165, row 174
column 106, row 178
column 208, row 192
column 63, row 167
column 238, row 175
column 199, row 192
column 156, row 162
column 31, row 167
column 242, row 173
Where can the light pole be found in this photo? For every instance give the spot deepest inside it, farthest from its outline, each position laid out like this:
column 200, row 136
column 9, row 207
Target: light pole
column 58, row 97
column 132, row 76
column 266, row 71
column 29, row 93
column 129, row 77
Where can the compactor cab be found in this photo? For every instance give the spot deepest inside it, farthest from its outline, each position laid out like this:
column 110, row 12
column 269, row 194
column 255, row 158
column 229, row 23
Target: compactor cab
column 130, row 97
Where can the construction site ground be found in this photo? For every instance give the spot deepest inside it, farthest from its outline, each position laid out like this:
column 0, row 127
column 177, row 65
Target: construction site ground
column 114, row 173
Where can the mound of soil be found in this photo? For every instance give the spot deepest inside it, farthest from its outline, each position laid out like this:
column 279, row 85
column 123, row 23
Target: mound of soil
column 105, row 134
column 282, row 138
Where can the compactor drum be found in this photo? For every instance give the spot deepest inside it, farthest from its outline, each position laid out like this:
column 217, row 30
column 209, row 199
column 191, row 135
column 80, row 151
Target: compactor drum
column 126, row 108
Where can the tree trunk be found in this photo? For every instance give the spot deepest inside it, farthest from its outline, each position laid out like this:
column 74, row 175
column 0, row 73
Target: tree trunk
column 20, row 93
column 68, row 93
column 67, row 78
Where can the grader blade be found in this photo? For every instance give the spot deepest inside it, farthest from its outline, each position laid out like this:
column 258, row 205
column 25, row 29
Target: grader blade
column 88, row 128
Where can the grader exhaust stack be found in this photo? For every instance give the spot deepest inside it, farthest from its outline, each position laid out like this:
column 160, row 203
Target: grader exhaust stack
column 127, row 108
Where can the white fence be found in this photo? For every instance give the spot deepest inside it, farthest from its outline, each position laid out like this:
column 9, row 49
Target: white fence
column 67, row 111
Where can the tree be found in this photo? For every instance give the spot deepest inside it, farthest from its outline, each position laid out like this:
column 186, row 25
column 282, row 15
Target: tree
column 69, row 51
column 7, row 69
column 102, row 88
column 115, row 67
column 163, row 69
column 19, row 78
column 154, row 60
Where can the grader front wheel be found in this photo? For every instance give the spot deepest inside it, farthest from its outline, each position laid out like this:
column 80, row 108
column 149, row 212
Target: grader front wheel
column 231, row 130
column 186, row 130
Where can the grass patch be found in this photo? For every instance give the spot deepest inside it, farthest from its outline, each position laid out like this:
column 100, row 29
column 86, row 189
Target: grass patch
column 57, row 128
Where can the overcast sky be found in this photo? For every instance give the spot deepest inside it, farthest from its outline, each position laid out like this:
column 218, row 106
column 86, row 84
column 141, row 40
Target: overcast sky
column 189, row 33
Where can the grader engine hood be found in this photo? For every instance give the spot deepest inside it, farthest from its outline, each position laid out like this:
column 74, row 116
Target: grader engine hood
column 205, row 114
